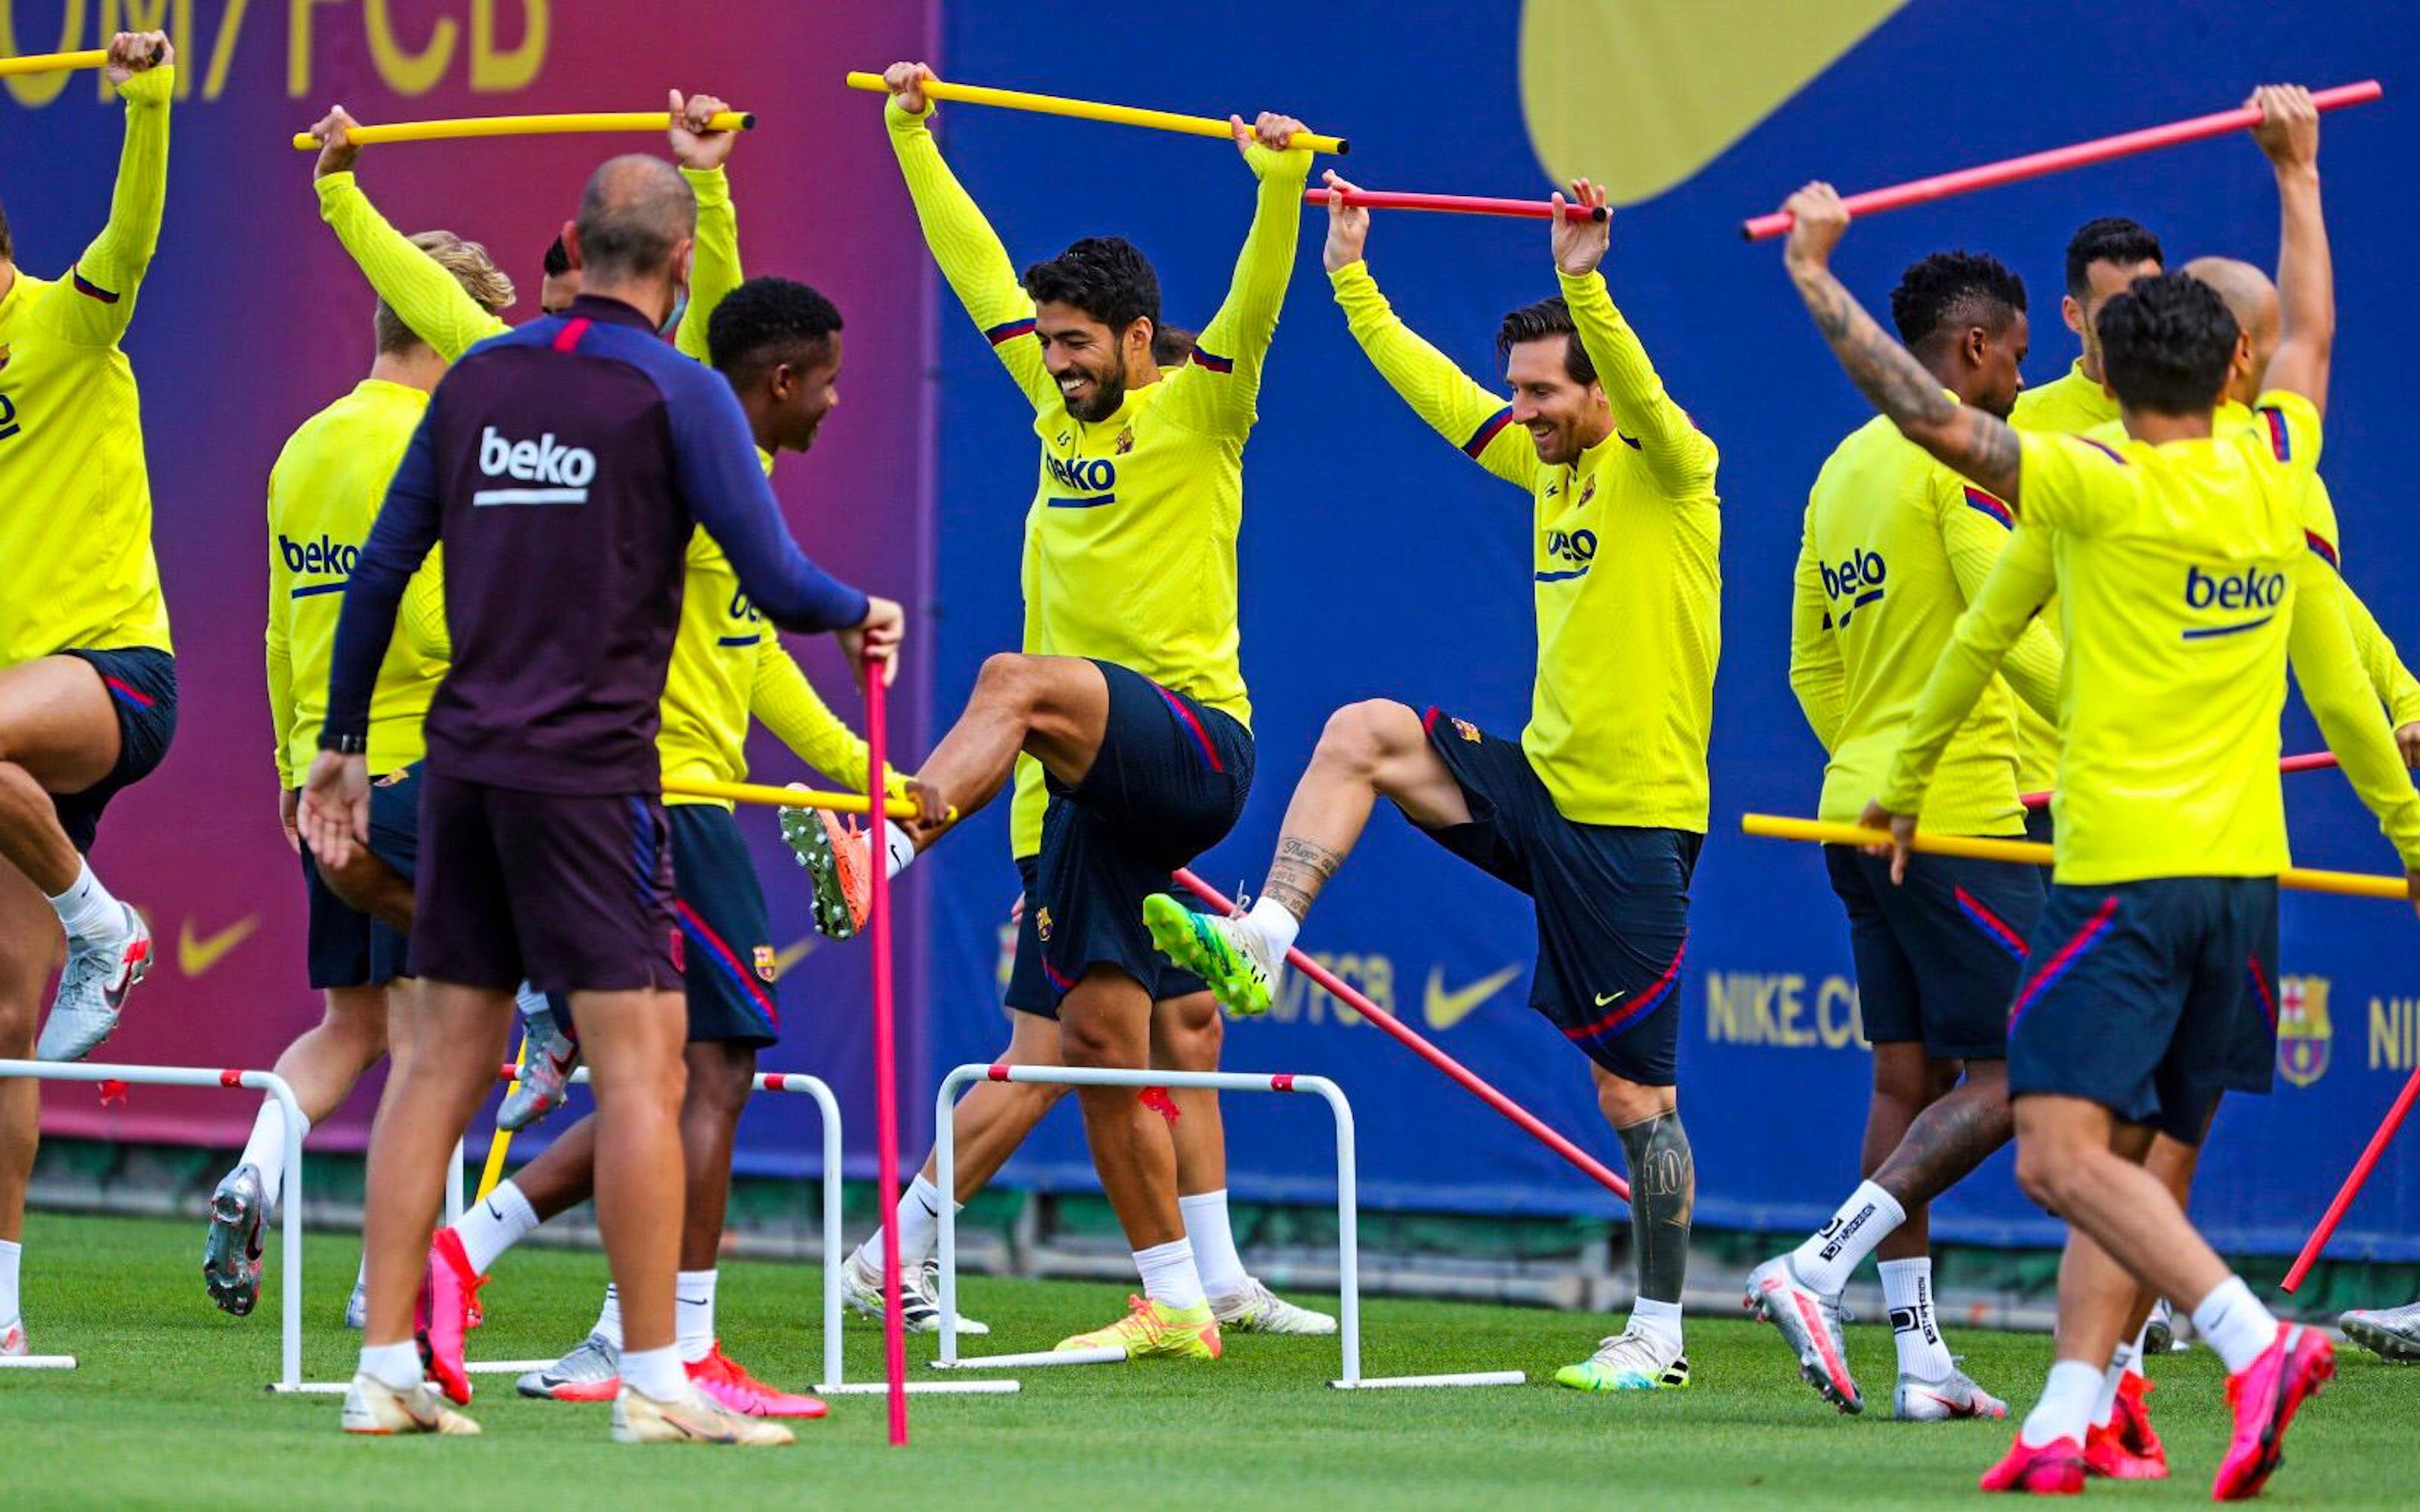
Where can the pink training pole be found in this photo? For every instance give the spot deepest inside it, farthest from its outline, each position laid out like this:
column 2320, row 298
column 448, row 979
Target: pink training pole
column 1379, row 199
column 2352, row 1184
column 2309, row 762
column 886, row 1056
column 2083, row 154
column 1470, row 1080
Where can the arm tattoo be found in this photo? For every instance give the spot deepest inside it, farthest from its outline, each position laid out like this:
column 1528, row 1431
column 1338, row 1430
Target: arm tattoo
column 1301, row 869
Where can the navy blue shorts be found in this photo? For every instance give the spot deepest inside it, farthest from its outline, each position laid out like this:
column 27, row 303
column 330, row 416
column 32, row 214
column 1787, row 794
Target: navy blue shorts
column 348, row 948
column 1937, row 956
column 142, row 684
column 1169, row 784
column 570, row 892
column 1612, row 902
column 2253, row 1065
column 2134, row 995
column 2039, row 828
column 732, row 994
column 1031, row 992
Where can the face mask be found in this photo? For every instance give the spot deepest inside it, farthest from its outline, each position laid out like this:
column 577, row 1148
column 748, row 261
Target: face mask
column 681, row 307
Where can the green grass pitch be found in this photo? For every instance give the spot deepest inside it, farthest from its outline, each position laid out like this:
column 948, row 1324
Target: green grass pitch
column 168, row 1411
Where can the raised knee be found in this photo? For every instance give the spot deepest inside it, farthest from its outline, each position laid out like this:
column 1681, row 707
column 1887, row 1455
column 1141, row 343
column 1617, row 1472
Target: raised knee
column 1360, row 735
column 2042, row 1175
column 1006, row 674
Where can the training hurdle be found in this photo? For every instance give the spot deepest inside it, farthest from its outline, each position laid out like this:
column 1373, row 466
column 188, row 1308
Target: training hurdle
column 290, row 1195
column 1348, row 1265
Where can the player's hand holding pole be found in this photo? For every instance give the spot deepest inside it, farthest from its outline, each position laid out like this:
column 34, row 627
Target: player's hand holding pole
column 906, row 81
column 1818, row 221
column 337, row 151
column 1348, row 224
column 695, row 145
column 335, row 808
column 133, row 53
column 876, row 638
column 1271, row 130
column 1581, row 244
column 1902, row 825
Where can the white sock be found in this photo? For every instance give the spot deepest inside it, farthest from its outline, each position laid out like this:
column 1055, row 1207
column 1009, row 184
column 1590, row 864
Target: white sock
column 1276, row 927
column 1214, row 1242
column 1907, row 1291
column 609, row 1320
column 656, row 1373
column 1658, row 1320
column 2121, row 1361
column 1833, row 1253
column 918, row 1218
column 10, row 1253
column 495, row 1224
column 901, row 849
column 394, row 1365
column 266, row 1148
column 2235, row 1324
column 693, row 1304
column 1169, row 1276
column 2066, row 1405
column 86, row 911
column 530, row 1002
column 2135, row 1361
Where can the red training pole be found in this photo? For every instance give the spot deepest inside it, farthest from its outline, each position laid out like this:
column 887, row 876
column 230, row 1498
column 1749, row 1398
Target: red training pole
column 2083, row 154
column 2308, row 762
column 1470, row 1080
column 2352, row 1184
column 886, row 1054
column 1379, row 199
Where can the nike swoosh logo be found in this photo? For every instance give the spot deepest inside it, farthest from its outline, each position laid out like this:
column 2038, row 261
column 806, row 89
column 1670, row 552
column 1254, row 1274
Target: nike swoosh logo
column 693, row 1301
column 1444, row 1010
column 791, row 956
column 198, row 956
column 1608, row 999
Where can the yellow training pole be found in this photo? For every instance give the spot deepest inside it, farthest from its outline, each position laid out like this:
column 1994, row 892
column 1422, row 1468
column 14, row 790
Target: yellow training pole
column 502, row 1141
column 1776, row 826
column 473, row 125
column 1086, row 110
column 54, row 62
column 789, row 797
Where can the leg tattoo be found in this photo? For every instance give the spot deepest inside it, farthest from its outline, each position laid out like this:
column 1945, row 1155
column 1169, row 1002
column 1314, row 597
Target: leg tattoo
column 1663, row 1189
column 1301, row 869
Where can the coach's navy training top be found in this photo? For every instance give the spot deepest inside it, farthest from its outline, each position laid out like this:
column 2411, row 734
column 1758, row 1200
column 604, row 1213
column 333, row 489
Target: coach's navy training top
column 565, row 465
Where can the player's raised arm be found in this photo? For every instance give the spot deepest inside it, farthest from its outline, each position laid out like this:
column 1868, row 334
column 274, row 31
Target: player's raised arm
column 1680, row 455
column 1456, row 406
column 2021, row 582
column 95, row 304
column 428, row 299
column 2289, row 133
column 963, row 242
column 2340, row 699
column 714, row 266
column 1222, row 397
column 1978, row 446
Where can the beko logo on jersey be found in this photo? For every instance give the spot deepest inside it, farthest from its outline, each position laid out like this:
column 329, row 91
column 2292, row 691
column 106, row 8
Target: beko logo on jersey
column 326, row 554
column 1858, row 577
column 1099, row 475
column 2249, row 589
column 1575, row 546
column 563, row 472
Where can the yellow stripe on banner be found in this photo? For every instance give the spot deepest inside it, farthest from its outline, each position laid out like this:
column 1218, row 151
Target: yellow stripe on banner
column 2300, row 879
column 478, row 126
column 789, row 797
column 1087, row 109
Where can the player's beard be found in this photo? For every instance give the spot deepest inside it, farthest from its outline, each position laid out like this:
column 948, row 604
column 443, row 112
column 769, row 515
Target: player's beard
column 1109, row 391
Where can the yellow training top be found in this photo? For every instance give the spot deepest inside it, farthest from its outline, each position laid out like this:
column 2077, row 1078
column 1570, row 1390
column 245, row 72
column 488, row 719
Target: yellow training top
column 2184, row 580
column 324, row 493
column 75, row 497
column 1625, row 693
column 2069, row 404
column 1895, row 547
column 1130, row 540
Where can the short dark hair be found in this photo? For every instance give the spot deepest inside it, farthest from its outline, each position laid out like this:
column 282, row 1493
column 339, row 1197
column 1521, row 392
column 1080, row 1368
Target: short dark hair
column 8, row 248
column 770, row 320
column 1171, row 346
column 1540, row 321
column 1106, row 277
column 633, row 211
column 1954, row 288
column 558, row 257
column 2167, row 343
column 2112, row 238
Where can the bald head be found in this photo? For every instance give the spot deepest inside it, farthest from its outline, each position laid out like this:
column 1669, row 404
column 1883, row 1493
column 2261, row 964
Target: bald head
column 2252, row 299
column 635, row 213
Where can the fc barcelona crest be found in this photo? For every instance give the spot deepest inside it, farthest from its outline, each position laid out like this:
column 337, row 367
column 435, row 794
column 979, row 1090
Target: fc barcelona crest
column 2303, row 1033
column 769, row 965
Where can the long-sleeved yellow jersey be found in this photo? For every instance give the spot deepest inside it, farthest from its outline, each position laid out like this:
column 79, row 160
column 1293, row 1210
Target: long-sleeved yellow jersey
column 1624, row 694
column 1130, row 540
column 75, row 496
column 2186, row 578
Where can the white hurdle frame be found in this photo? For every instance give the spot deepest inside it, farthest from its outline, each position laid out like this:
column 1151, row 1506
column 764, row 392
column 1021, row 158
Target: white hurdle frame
column 290, row 1192
column 1347, row 1213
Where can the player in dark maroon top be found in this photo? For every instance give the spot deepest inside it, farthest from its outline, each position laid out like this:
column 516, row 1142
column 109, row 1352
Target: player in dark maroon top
column 565, row 465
